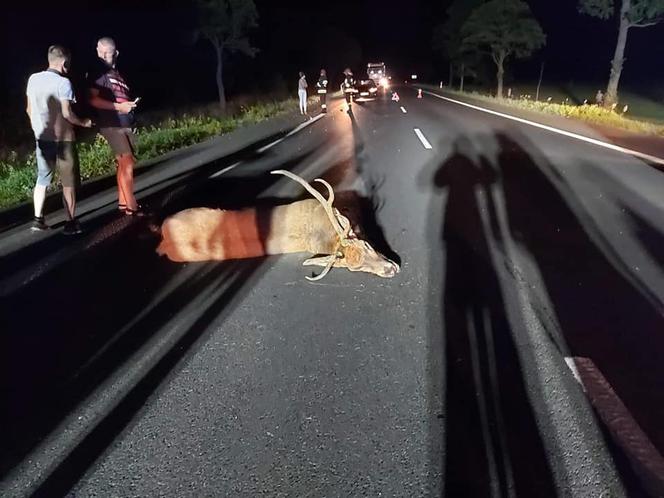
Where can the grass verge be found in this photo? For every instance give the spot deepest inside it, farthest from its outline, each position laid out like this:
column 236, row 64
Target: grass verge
column 589, row 113
column 18, row 172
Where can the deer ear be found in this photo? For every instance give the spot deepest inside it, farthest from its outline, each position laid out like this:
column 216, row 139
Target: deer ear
column 353, row 256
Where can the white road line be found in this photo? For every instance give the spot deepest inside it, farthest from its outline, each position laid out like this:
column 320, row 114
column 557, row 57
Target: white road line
column 422, row 138
column 575, row 371
column 623, row 428
column 225, row 170
column 403, row 110
column 270, row 145
column 568, row 429
column 635, row 153
column 304, row 125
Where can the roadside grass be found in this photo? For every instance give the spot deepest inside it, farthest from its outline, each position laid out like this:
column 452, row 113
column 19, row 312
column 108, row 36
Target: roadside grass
column 18, row 170
column 640, row 107
column 634, row 113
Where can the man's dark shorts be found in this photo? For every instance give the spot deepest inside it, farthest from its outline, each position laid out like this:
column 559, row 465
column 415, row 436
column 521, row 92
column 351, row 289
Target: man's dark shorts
column 121, row 140
column 60, row 155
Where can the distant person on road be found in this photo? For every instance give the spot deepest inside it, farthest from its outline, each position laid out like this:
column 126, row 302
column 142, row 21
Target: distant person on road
column 49, row 99
column 110, row 96
column 348, row 87
column 321, row 88
column 302, row 93
column 599, row 98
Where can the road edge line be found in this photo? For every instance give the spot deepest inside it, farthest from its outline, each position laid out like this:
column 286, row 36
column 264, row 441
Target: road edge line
column 569, row 134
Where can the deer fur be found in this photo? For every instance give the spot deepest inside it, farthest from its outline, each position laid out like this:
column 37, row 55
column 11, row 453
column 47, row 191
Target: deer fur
column 312, row 226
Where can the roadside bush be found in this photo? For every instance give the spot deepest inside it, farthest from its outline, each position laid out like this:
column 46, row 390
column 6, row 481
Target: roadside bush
column 584, row 112
column 18, row 175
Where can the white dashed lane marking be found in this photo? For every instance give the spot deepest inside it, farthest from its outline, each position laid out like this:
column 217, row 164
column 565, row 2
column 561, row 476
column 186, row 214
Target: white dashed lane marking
column 422, row 138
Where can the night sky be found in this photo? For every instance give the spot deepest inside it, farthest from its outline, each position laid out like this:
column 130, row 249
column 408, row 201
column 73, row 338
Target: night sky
column 167, row 67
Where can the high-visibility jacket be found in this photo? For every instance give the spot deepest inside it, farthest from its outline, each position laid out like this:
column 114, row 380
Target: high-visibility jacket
column 321, row 84
column 348, row 86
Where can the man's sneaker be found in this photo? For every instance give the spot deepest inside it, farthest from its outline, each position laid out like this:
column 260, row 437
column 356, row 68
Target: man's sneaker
column 72, row 227
column 38, row 224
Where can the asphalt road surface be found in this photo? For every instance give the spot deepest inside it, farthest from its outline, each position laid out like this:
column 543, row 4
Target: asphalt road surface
column 524, row 255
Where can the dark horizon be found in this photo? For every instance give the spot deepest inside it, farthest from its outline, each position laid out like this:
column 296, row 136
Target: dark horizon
column 155, row 39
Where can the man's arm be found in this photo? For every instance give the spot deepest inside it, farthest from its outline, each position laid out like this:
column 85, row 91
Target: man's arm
column 28, row 109
column 70, row 116
column 99, row 102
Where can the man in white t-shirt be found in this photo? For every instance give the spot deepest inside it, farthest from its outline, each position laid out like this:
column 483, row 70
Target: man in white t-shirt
column 49, row 99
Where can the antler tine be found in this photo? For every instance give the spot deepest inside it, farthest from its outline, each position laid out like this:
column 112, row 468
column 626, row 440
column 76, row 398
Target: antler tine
column 317, row 196
column 330, row 200
column 330, row 197
column 325, row 271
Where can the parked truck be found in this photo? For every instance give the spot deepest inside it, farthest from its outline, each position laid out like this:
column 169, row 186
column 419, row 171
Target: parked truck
column 378, row 73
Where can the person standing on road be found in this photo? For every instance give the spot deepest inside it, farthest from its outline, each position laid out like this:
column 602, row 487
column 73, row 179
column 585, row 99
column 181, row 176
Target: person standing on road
column 302, row 93
column 110, row 96
column 321, row 86
column 49, row 99
column 348, row 87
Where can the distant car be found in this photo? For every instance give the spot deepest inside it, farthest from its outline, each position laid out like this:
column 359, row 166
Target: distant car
column 366, row 90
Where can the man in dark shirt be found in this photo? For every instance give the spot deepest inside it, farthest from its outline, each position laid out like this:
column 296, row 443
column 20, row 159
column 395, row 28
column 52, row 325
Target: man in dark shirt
column 110, row 96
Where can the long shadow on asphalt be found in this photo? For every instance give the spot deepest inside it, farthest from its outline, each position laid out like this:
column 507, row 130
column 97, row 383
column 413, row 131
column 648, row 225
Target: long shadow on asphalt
column 363, row 207
column 32, row 251
column 66, row 332
column 231, row 280
column 602, row 315
column 492, row 443
column 650, row 236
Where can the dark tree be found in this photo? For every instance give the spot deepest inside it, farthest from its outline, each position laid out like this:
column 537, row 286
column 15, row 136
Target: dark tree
column 504, row 29
column 633, row 14
column 225, row 23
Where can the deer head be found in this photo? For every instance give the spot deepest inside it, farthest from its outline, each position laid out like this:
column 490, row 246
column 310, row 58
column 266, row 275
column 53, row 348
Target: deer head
column 351, row 252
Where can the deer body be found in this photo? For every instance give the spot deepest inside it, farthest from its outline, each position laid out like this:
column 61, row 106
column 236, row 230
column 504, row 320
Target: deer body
column 312, row 225
column 203, row 234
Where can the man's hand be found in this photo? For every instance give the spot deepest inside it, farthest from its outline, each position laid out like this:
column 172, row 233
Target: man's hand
column 70, row 115
column 125, row 107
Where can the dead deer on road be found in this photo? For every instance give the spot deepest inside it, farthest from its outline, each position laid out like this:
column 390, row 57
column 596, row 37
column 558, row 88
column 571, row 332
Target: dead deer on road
column 311, row 225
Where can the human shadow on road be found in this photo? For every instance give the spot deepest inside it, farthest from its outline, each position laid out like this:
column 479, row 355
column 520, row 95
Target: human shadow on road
column 650, row 236
column 492, row 443
column 603, row 316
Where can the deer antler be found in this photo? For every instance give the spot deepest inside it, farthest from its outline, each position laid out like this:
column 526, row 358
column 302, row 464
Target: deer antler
column 330, row 192
column 328, row 267
column 341, row 230
column 330, row 200
column 327, row 205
